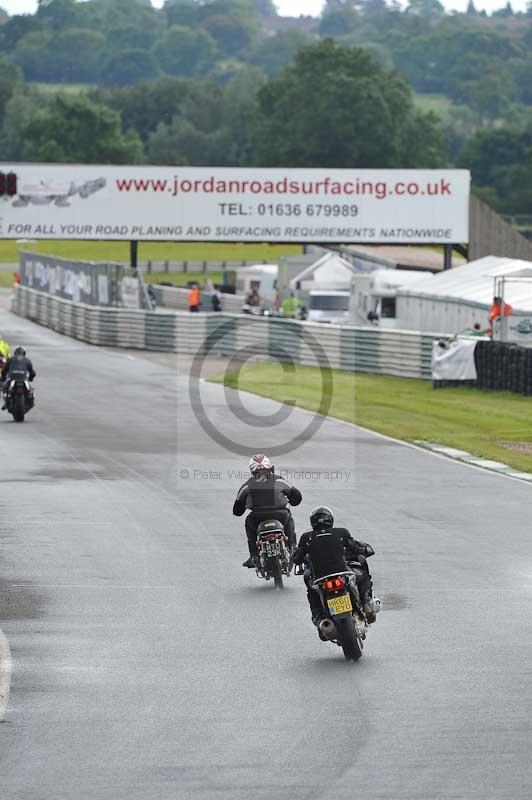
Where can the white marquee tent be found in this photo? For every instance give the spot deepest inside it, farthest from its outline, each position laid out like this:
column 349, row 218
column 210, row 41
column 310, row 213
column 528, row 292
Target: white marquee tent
column 454, row 300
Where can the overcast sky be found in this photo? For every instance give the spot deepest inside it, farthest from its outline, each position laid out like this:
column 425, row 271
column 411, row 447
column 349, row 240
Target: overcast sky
column 288, row 8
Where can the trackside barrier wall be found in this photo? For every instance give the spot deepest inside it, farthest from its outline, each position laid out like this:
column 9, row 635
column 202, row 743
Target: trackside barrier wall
column 386, row 352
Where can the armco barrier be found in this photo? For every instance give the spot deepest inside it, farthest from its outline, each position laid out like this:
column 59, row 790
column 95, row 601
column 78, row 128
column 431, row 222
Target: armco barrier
column 386, row 352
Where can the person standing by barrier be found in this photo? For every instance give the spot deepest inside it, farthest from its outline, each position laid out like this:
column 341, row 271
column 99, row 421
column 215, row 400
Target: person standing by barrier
column 290, row 306
column 498, row 310
column 194, row 298
column 216, row 299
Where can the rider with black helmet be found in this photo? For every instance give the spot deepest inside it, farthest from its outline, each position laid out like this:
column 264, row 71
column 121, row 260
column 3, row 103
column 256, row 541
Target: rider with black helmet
column 326, row 550
column 18, row 365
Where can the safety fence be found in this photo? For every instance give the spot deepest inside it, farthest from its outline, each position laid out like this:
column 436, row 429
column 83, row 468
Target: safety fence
column 388, row 352
column 197, row 267
column 91, row 283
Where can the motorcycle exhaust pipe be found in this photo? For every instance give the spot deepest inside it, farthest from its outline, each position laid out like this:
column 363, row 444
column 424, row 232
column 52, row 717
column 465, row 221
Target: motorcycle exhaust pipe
column 327, row 628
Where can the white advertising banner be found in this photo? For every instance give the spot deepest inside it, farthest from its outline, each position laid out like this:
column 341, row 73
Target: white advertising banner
column 455, row 361
column 130, row 292
column 236, row 205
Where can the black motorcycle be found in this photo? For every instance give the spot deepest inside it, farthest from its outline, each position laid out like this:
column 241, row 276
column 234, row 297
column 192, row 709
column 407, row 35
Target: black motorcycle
column 273, row 560
column 19, row 397
column 344, row 620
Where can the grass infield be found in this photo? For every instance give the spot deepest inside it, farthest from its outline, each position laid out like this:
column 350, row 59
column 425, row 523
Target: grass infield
column 494, row 425
column 151, row 251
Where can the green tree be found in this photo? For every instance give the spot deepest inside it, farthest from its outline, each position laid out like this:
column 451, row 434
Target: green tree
column 19, row 109
column 506, row 11
column 58, row 14
column 275, row 52
column 131, row 37
column 213, row 127
column 231, row 34
column 239, row 112
column 73, row 129
column 185, row 13
column 10, row 77
column 16, row 28
column 229, row 8
column 34, row 52
column 127, row 67
column 490, row 152
column 338, row 22
column 265, row 8
column 425, row 8
column 144, row 106
column 336, row 107
column 182, row 143
column 78, row 55
column 184, row 51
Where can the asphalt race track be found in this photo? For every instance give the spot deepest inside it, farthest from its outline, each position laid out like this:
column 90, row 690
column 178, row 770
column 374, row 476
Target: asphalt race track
column 148, row 665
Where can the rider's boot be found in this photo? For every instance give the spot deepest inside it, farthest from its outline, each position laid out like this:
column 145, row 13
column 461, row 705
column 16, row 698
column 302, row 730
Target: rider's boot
column 371, row 606
column 252, row 561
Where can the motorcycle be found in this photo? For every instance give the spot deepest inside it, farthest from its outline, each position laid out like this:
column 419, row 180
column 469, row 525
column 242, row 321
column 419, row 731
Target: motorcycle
column 19, row 398
column 273, row 559
column 345, row 622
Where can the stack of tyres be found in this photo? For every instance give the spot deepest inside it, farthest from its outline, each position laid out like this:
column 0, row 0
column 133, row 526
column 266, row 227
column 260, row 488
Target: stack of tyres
column 511, row 368
column 491, row 366
column 500, row 365
column 521, row 371
column 481, row 360
column 517, row 377
column 527, row 388
column 504, row 367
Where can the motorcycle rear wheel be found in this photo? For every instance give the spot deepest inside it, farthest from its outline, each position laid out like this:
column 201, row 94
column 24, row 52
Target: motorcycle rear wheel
column 348, row 639
column 19, row 409
column 275, row 571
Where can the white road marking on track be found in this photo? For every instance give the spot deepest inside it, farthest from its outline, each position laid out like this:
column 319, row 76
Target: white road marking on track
column 88, row 586
column 5, row 674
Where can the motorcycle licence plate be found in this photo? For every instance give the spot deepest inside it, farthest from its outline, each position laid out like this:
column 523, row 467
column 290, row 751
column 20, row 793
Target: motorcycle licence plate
column 339, row 605
column 273, row 549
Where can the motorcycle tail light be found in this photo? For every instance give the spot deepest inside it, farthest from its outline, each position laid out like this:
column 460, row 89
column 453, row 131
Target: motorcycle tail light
column 271, row 538
column 333, row 584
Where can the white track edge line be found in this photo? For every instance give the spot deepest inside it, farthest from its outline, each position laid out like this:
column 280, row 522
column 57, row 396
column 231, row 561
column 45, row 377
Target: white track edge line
column 402, row 442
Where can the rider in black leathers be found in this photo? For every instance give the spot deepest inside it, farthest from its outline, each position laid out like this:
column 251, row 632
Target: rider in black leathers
column 266, row 496
column 326, row 550
column 17, row 366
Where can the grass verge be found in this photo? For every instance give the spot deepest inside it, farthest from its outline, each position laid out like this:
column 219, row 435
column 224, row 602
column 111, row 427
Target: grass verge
column 6, row 279
column 468, row 419
column 151, row 251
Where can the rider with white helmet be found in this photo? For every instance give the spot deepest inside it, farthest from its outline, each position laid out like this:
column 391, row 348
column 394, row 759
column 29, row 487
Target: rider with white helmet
column 266, row 496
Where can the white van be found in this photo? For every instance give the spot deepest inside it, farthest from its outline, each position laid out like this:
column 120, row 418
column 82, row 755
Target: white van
column 329, row 305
